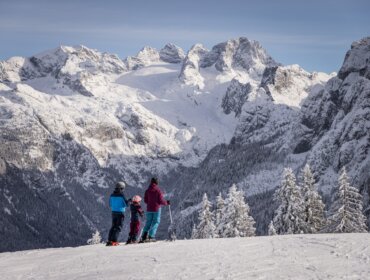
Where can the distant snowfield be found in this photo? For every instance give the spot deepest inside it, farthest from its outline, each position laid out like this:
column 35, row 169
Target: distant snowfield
column 326, row 256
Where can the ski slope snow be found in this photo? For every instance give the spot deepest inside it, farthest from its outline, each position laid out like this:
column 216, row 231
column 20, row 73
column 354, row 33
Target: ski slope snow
column 321, row 256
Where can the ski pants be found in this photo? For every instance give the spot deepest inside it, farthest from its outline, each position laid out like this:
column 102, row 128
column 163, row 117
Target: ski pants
column 134, row 230
column 152, row 222
column 117, row 221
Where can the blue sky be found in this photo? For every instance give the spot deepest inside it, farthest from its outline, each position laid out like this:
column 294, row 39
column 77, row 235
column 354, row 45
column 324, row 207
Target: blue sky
column 314, row 34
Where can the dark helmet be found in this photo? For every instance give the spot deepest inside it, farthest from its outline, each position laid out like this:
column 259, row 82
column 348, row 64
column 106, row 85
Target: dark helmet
column 121, row 185
column 154, row 180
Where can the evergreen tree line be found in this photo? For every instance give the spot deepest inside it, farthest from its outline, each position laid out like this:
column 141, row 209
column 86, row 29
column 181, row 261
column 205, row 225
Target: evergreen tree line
column 229, row 218
column 300, row 210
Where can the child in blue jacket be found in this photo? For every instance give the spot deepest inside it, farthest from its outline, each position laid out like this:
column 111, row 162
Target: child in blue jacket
column 118, row 204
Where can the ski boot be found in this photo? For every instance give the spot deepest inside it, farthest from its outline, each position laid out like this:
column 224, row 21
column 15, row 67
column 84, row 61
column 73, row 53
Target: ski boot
column 152, row 239
column 144, row 237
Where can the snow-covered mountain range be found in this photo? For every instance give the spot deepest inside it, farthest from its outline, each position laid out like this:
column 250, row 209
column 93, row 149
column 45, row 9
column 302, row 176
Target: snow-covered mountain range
column 74, row 120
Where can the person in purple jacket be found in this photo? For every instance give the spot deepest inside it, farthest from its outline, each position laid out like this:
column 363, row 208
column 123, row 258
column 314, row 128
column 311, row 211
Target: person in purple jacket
column 154, row 200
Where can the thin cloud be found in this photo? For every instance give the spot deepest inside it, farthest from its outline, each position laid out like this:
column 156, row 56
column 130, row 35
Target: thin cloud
column 172, row 33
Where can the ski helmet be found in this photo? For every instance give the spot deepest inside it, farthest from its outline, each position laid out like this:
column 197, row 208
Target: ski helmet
column 154, row 180
column 121, row 185
column 136, row 198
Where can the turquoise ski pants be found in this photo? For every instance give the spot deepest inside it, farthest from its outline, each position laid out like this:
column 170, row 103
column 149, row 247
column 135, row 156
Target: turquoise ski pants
column 152, row 222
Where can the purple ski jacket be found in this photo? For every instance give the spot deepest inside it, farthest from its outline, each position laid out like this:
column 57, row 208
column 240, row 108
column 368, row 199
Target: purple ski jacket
column 154, row 198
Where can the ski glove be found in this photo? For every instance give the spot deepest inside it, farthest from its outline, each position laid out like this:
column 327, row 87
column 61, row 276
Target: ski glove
column 168, row 202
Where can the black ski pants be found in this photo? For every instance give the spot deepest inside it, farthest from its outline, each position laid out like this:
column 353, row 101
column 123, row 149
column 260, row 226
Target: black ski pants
column 117, row 222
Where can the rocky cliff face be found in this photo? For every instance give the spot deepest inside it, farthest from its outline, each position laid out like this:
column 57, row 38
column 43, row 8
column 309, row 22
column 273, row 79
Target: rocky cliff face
column 342, row 114
column 236, row 96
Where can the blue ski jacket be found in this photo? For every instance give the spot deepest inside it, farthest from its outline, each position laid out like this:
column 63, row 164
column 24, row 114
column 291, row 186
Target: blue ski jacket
column 118, row 201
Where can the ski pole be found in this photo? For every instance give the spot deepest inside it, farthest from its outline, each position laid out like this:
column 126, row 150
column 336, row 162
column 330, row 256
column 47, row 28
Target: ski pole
column 169, row 208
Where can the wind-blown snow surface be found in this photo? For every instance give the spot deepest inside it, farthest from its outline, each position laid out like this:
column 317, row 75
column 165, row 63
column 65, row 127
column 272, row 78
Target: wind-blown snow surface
column 326, row 256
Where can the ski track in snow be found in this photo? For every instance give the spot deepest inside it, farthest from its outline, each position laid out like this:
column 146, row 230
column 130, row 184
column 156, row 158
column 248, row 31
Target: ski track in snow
column 325, row 256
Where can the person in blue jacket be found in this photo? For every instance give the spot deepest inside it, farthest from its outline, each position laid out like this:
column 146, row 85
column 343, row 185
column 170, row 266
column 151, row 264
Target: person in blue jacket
column 118, row 204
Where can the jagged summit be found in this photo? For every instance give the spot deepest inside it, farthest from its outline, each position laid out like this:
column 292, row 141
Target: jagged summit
column 240, row 52
column 357, row 59
column 190, row 74
column 68, row 65
column 171, row 53
column 236, row 57
column 64, row 60
column 77, row 58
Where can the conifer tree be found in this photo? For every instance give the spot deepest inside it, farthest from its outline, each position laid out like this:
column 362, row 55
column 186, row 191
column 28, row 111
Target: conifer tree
column 95, row 238
column 219, row 211
column 346, row 211
column 206, row 227
column 272, row 230
column 236, row 221
column 289, row 217
column 313, row 205
column 194, row 232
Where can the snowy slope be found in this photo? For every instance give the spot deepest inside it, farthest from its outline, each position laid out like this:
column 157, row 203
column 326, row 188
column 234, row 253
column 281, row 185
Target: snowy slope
column 340, row 256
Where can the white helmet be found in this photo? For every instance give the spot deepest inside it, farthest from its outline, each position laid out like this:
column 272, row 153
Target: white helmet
column 136, row 198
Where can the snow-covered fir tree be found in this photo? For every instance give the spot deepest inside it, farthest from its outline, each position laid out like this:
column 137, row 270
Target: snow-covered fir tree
column 194, row 232
column 313, row 205
column 236, row 221
column 289, row 217
column 95, row 239
column 219, row 210
column 272, row 230
column 346, row 210
column 206, row 227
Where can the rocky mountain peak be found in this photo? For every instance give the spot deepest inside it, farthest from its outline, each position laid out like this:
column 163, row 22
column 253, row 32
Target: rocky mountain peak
column 357, row 59
column 190, row 69
column 144, row 57
column 229, row 58
column 238, row 53
column 148, row 55
column 68, row 65
column 171, row 53
column 291, row 84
